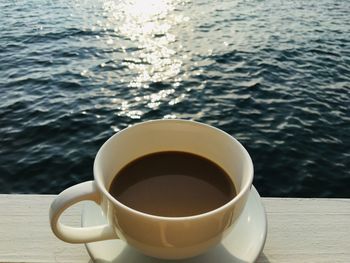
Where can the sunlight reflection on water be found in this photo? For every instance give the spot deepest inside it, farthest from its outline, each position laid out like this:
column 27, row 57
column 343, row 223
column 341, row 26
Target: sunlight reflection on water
column 147, row 24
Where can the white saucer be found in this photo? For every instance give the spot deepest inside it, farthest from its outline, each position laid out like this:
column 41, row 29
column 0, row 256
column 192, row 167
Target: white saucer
column 243, row 244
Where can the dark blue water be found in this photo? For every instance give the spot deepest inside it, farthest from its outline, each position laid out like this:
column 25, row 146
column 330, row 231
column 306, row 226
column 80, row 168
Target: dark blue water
column 274, row 74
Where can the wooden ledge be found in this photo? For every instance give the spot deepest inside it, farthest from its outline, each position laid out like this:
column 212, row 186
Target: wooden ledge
column 300, row 230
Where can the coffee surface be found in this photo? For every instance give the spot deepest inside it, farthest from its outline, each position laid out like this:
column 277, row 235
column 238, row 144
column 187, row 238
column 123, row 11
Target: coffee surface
column 172, row 184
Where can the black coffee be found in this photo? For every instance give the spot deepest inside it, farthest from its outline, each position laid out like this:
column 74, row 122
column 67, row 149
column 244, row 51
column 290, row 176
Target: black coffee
column 172, row 184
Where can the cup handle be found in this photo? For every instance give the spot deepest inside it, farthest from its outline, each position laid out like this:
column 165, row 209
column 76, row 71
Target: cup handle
column 67, row 198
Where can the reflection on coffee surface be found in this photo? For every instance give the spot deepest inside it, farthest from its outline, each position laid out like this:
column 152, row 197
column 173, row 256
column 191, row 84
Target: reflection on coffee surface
column 172, row 184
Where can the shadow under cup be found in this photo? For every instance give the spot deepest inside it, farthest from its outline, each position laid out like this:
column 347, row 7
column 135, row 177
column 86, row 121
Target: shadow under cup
column 172, row 237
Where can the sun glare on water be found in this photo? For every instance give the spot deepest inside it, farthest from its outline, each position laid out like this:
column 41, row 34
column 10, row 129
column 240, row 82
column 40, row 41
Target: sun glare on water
column 147, row 24
column 145, row 10
column 144, row 31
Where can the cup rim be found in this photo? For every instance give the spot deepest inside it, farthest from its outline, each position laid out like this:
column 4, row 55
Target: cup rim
column 219, row 209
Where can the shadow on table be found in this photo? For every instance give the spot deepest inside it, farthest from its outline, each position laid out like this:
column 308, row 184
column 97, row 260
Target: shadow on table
column 262, row 259
column 218, row 255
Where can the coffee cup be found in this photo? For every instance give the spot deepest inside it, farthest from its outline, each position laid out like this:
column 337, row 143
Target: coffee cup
column 167, row 237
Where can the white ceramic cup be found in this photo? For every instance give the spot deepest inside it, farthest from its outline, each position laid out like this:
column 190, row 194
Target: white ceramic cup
column 158, row 236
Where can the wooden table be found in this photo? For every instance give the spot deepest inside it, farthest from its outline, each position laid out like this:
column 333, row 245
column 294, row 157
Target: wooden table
column 300, row 230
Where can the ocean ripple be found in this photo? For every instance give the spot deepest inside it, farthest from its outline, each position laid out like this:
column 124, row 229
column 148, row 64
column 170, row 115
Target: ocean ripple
column 275, row 75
